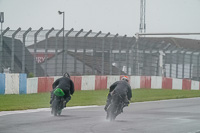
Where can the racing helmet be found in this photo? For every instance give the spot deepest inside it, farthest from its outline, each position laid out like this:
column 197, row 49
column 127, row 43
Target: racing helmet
column 66, row 75
column 125, row 78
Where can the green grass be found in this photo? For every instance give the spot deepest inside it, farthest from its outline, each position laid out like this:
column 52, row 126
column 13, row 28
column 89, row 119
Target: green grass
column 81, row 98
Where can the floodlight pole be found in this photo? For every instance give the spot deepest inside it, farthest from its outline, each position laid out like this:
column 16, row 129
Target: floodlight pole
column 1, row 42
column 63, row 13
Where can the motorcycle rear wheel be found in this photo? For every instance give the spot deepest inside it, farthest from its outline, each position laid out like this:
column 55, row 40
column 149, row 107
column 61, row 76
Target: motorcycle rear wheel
column 111, row 113
column 55, row 107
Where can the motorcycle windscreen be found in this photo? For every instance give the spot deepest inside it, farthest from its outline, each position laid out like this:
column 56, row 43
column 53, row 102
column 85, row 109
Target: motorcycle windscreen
column 59, row 92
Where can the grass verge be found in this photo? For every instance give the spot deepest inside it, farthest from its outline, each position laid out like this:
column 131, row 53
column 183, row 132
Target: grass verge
column 82, row 98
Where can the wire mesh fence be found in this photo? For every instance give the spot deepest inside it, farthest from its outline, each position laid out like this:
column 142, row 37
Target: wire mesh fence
column 49, row 53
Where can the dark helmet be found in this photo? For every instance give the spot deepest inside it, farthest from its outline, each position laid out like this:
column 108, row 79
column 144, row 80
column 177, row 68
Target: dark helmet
column 125, row 78
column 66, row 75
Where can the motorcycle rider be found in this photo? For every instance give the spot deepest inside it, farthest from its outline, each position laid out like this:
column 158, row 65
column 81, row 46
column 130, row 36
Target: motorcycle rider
column 66, row 84
column 119, row 89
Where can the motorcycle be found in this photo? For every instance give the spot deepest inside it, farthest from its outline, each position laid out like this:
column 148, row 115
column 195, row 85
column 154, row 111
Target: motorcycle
column 115, row 108
column 58, row 102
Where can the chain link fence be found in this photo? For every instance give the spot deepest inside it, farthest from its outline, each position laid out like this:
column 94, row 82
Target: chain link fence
column 49, row 53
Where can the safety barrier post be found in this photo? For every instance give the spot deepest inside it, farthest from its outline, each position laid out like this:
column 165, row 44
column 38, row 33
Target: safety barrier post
column 111, row 47
column 1, row 50
column 65, row 50
column 35, row 51
column 128, row 55
column 84, row 50
column 191, row 62
column 183, row 68
column 56, row 51
column 46, row 50
column 120, row 53
column 13, row 49
column 103, row 44
column 94, row 54
column 23, row 49
column 75, row 59
column 198, row 65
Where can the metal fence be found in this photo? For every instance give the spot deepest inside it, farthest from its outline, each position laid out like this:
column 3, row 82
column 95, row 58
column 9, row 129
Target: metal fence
column 49, row 53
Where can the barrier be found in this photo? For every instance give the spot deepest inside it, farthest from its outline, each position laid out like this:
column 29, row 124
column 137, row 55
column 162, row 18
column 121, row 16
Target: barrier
column 100, row 82
column 186, row 84
column 135, row 82
column 88, row 83
column 45, row 84
column 145, row 82
column 12, row 84
column 111, row 80
column 2, row 83
column 77, row 82
column 177, row 84
column 156, row 82
column 166, row 83
column 20, row 84
column 32, row 85
column 195, row 85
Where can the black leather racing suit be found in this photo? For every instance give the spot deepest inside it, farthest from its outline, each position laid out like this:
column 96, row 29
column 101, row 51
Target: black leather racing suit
column 121, row 88
column 66, row 84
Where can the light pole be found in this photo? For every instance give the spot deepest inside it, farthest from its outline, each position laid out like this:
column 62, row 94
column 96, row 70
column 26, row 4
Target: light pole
column 1, row 42
column 63, row 13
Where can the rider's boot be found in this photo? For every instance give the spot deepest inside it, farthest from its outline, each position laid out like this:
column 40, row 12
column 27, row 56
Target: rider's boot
column 106, row 106
column 67, row 100
column 108, row 102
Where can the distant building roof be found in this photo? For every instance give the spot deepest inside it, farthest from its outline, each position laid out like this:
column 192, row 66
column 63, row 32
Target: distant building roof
column 92, row 42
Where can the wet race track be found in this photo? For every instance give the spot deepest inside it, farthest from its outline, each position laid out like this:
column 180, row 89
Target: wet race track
column 167, row 116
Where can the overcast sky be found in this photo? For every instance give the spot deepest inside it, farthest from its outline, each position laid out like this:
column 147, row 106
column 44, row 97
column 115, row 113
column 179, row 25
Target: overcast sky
column 115, row 16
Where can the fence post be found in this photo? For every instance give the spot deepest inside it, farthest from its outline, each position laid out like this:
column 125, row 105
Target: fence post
column 170, row 66
column 1, row 50
column 84, row 49
column 151, row 60
column 165, row 58
column 110, row 60
column 177, row 59
column 133, row 58
column 143, row 59
column 46, row 49
column 75, row 56
column 66, row 49
column 1, row 47
column 56, row 50
column 94, row 54
column 23, row 50
column 191, row 61
column 35, row 50
column 128, row 54
column 127, row 58
column 183, row 66
column 198, row 65
column 103, row 44
column 137, row 54
column 13, row 49
column 120, row 52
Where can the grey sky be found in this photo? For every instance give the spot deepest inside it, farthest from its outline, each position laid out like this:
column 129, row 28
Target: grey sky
column 115, row 16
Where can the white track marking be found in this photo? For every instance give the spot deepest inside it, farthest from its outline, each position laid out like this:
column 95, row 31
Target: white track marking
column 39, row 110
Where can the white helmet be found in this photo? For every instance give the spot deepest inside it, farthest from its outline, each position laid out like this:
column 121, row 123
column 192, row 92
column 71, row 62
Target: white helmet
column 125, row 78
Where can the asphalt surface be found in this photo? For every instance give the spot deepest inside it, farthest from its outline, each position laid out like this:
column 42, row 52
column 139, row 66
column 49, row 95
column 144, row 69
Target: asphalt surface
column 167, row 116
